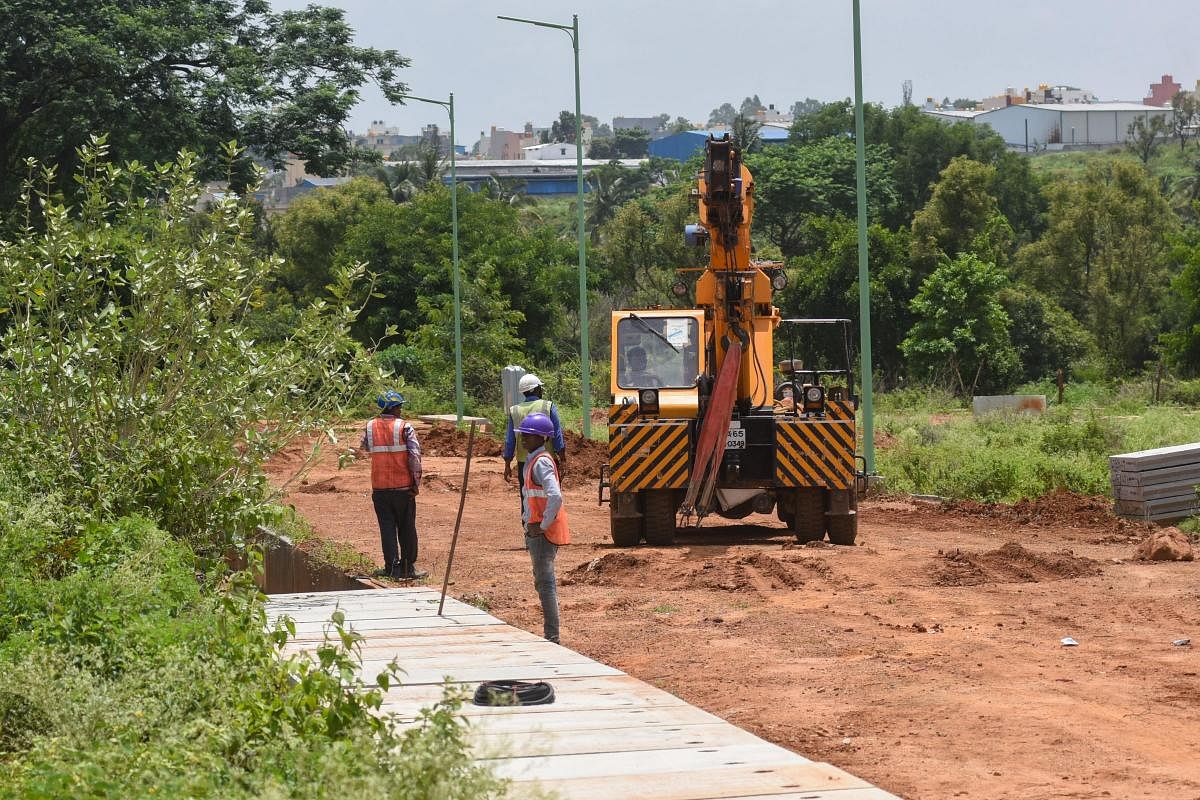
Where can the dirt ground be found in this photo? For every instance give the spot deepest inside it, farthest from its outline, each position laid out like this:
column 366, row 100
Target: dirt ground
column 926, row 659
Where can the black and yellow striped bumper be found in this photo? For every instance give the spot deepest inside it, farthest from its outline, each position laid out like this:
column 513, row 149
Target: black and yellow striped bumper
column 815, row 452
column 655, row 454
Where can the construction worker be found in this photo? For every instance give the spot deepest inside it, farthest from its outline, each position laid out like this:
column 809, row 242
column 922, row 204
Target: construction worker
column 395, row 484
column 543, row 515
column 531, row 389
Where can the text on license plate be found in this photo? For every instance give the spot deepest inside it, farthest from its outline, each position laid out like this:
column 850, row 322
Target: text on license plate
column 736, row 439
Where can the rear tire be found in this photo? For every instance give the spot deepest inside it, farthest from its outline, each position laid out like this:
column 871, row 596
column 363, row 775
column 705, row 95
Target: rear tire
column 658, row 512
column 626, row 531
column 808, row 521
column 843, row 528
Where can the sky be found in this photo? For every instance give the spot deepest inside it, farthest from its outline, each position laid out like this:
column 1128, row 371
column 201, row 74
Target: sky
column 647, row 57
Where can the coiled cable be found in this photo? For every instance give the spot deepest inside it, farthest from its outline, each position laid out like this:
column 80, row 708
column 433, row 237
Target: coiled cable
column 514, row 693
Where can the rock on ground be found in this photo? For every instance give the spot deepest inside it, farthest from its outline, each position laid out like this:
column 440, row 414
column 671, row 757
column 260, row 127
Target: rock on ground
column 1168, row 544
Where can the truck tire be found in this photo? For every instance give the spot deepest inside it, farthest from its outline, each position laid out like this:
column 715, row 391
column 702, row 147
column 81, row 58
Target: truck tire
column 808, row 520
column 843, row 529
column 626, row 531
column 658, row 512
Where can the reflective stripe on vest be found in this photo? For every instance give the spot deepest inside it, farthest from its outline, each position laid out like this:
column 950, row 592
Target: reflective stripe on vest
column 517, row 414
column 389, row 454
column 535, row 495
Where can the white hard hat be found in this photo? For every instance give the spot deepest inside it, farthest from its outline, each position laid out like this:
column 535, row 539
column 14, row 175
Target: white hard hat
column 529, row 382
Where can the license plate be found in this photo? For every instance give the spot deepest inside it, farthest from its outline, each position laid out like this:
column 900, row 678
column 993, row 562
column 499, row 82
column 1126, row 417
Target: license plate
column 735, row 439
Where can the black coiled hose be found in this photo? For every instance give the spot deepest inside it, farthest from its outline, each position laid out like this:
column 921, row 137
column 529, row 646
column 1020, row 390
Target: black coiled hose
column 514, row 693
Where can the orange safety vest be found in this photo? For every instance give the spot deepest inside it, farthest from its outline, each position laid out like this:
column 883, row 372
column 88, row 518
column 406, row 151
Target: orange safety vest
column 558, row 532
column 389, row 454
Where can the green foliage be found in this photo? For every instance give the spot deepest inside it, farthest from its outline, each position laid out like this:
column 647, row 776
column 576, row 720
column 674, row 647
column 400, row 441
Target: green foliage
column 961, row 332
column 131, row 354
column 796, row 183
column 961, row 216
column 1104, row 257
column 1144, row 136
column 1044, row 335
column 824, row 283
column 170, row 75
column 1181, row 344
column 641, row 248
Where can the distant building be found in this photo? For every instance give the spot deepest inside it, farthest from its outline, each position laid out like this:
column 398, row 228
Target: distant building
column 650, row 125
column 385, row 140
column 683, row 145
column 1056, row 126
column 550, row 151
column 769, row 116
column 1162, row 92
column 505, row 145
column 536, row 177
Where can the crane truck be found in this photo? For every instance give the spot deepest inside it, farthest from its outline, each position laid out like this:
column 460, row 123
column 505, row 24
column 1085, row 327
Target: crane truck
column 698, row 423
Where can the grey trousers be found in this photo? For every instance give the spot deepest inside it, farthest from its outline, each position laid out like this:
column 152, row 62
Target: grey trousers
column 542, row 553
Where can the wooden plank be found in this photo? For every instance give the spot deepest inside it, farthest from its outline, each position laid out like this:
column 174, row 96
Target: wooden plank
column 438, row 674
column 786, row 779
column 682, row 759
column 640, row 739
column 570, row 694
column 394, row 625
column 868, row 793
column 551, row 720
column 487, row 634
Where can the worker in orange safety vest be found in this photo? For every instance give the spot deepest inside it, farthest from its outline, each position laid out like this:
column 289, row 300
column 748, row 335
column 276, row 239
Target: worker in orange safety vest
column 395, row 484
column 543, row 515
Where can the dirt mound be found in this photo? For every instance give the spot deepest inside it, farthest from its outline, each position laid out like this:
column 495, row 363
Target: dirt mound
column 1011, row 563
column 584, row 459
column 608, row 569
column 1060, row 508
column 320, row 487
column 1168, row 544
column 445, row 440
column 773, row 569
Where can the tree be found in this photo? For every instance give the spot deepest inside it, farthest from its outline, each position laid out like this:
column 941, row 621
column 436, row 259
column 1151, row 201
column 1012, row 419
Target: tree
column 680, row 125
column 724, row 114
column 1143, row 136
column 1104, row 257
column 961, row 216
column 965, row 103
column 1046, row 337
column 640, row 248
column 611, row 186
column 631, row 143
column 962, row 330
column 1181, row 344
column 603, row 149
column 744, row 133
column 166, row 75
column 802, row 108
column 563, row 128
column 750, row 106
column 1186, row 120
column 793, row 184
column 313, row 228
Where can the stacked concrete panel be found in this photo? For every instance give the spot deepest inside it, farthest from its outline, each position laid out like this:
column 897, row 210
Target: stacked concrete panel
column 1158, row 484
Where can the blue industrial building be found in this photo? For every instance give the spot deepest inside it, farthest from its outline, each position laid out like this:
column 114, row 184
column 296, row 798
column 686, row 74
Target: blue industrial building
column 685, row 144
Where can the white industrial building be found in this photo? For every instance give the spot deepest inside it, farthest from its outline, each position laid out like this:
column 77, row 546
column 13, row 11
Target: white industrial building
column 1056, row 126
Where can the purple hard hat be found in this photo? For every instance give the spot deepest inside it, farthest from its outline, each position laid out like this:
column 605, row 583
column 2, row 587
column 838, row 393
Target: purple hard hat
column 537, row 423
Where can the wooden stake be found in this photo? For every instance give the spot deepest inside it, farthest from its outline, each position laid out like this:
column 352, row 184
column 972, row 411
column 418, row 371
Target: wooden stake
column 462, row 499
column 1060, row 385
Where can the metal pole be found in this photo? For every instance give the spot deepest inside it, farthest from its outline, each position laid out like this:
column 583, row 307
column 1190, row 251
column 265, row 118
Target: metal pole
column 584, row 354
column 462, row 501
column 456, row 278
column 458, row 370
column 864, row 280
column 585, row 363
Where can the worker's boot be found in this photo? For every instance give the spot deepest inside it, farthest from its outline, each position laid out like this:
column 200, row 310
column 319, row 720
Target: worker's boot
column 407, row 571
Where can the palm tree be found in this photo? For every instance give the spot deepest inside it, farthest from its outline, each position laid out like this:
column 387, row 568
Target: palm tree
column 744, row 133
column 611, row 186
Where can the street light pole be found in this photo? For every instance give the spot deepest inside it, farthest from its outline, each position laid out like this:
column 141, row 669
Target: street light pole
column 864, row 279
column 572, row 30
column 458, row 371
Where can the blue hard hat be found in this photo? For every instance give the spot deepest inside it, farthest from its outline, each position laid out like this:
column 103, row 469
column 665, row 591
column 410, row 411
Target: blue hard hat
column 389, row 399
column 537, row 423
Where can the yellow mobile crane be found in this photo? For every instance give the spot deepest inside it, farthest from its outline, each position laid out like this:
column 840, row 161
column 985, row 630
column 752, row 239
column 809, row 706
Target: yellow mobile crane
column 697, row 424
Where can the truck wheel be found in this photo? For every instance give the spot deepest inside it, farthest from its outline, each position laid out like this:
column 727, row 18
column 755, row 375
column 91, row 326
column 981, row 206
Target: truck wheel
column 658, row 510
column 808, row 522
column 843, row 529
column 626, row 531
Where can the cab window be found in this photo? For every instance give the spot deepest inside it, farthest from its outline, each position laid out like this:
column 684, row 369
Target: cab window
column 657, row 352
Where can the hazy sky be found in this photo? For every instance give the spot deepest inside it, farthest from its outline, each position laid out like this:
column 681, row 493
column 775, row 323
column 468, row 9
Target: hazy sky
column 646, row 57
